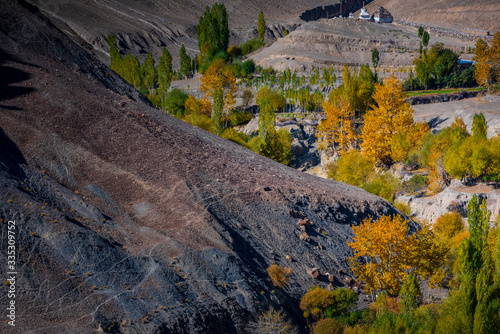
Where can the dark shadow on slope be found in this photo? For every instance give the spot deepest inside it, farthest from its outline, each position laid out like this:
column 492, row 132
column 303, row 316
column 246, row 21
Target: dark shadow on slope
column 11, row 157
column 9, row 77
column 435, row 122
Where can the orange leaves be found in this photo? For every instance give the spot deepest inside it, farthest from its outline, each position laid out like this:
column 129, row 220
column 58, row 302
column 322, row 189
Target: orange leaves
column 391, row 253
column 389, row 116
column 337, row 127
column 219, row 76
column 487, row 61
column 482, row 67
column 279, row 275
column 408, row 139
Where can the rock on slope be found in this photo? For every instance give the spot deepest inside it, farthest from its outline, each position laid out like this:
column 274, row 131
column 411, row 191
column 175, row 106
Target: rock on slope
column 129, row 220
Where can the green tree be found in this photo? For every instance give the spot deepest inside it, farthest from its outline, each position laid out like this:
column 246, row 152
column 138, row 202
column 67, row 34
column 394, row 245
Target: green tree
column 276, row 146
column 422, row 69
column 425, row 38
column 234, row 51
column 185, row 62
column 217, row 111
column 175, row 103
column 318, row 302
column 442, row 64
column 409, row 294
column 261, row 27
column 149, row 74
column 165, row 74
column 475, row 306
column 135, row 68
column 212, row 31
column 420, row 31
column 479, row 127
column 114, row 54
column 267, row 117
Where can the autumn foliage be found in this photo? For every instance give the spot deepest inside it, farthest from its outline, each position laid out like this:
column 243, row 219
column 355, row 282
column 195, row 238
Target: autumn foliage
column 219, row 76
column 389, row 121
column 449, row 225
column 336, row 131
column 391, row 252
column 318, row 302
column 279, row 275
column 488, row 61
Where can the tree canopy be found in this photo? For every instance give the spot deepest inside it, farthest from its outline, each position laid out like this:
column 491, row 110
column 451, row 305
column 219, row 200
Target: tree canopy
column 213, row 31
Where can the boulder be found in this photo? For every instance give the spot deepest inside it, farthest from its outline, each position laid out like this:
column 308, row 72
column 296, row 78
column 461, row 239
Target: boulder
column 298, row 148
column 315, row 273
column 305, row 222
column 304, row 236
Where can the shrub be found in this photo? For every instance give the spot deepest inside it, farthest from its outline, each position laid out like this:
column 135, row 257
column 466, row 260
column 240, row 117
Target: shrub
column 384, row 185
column 449, row 225
column 247, row 97
column 321, row 302
column 403, row 207
column 175, row 102
column 353, row 168
column 328, row 326
column 248, row 66
column 273, row 322
column 416, row 183
column 276, row 145
column 279, row 275
column 205, row 123
column 350, row 319
column 234, row 51
column 358, row 329
column 315, row 301
column 235, row 136
column 251, row 45
column 238, row 117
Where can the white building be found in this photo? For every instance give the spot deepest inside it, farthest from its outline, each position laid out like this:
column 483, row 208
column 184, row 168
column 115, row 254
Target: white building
column 364, row 14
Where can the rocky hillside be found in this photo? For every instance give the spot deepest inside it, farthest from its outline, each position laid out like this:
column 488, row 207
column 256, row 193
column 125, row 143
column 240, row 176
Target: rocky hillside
column 456, row 14
column 129, row 220
column 142, row 26
column 341, row 40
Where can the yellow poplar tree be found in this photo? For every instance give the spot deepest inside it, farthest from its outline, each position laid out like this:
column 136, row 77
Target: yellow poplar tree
column 483, row 67
column 389, row 116
column 219, row 76
column 407, row 140
column 391, row 253
column 192, row 106
column 337, row 127
column 494, row 58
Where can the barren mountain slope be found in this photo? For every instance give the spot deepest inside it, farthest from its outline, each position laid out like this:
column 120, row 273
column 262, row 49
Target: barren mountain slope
column 148, row 25
column 455, row 14
column 129, row 220
column 339, row 41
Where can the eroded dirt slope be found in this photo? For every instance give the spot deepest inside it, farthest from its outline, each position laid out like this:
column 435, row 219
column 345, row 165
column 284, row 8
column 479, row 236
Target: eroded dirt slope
column 143, row 26
column 129, row 220
column 456, row 14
